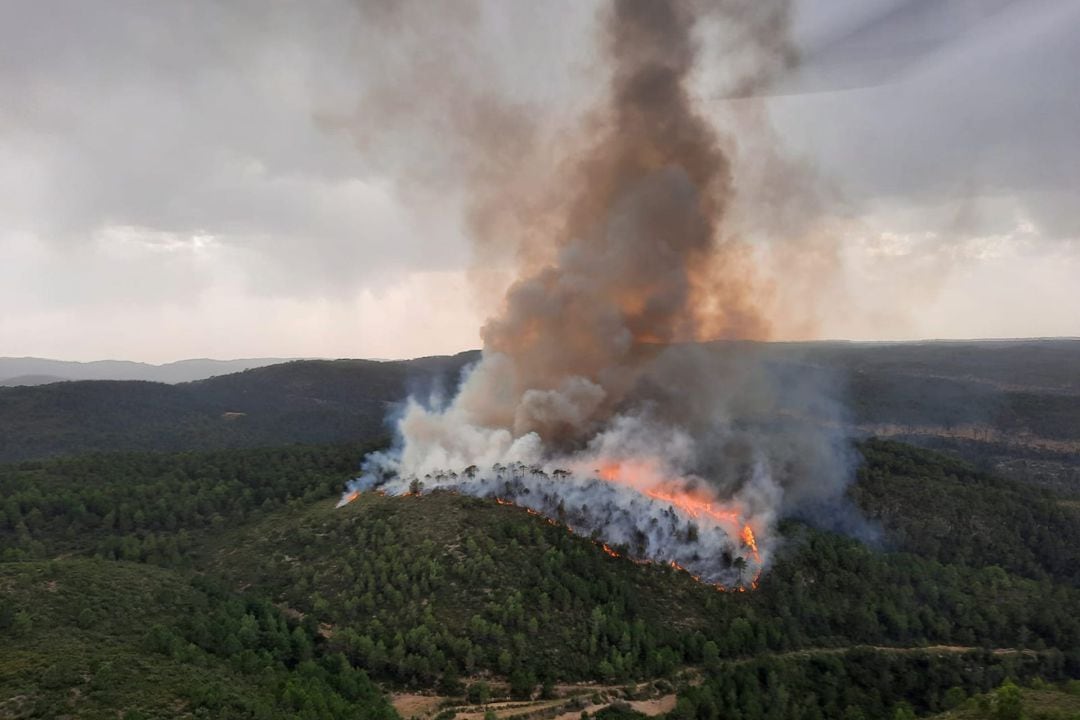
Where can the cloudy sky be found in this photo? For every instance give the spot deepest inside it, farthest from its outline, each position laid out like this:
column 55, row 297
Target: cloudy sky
column 194, row 179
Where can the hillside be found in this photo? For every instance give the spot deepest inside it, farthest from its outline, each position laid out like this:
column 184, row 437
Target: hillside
column 1040, row 366
column 1040, row 700
column 444, row 591
column 84, row 638
column 1009, row 406
column 319, row 401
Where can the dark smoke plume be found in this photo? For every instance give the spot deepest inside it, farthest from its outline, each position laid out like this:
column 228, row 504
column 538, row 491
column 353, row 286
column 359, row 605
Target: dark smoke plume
column 592, row 393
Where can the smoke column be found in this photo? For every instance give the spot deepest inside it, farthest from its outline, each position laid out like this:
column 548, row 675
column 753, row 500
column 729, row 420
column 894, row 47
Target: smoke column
column 593, row 402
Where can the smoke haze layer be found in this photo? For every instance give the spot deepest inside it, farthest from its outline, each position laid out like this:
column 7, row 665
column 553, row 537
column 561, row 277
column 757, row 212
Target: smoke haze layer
column 592, row 402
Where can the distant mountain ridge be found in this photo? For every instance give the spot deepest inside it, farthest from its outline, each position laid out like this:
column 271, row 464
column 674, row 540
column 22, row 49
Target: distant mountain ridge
column 1012, row 406
column 303, row 401
column 41, row 371
column 23, row 380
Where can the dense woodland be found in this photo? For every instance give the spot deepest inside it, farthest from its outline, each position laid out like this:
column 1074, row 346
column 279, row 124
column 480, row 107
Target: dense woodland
column 232, row 574
column 91, row 637
column 313, row 401
column 1024, row 390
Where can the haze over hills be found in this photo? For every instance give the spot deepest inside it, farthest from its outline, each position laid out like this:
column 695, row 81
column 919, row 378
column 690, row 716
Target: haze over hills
column 39, row 371
column 23, row 380
column 1011, row 405
column 299, row 401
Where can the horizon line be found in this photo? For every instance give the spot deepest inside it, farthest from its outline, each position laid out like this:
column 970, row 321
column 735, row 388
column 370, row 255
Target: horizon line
column 285, row 358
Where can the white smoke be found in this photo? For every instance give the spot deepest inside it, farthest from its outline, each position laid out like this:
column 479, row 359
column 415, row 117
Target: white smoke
column 631, row 486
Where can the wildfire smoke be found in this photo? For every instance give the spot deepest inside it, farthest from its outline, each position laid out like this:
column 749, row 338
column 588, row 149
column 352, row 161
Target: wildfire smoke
column 591, row 404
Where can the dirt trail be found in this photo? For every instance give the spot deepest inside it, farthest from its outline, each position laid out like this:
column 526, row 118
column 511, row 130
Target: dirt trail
column 932, row 649
column 413, row 705
column 509, row 710
column 575, row 697
column 658, row 706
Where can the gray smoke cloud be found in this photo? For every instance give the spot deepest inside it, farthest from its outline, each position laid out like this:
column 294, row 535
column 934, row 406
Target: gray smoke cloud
column 592, row 402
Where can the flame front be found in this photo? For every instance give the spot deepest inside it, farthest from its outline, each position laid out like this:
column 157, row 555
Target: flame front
column 650, row 514
column 695, row 506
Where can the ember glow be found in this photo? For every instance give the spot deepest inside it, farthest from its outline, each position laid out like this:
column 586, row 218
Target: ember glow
column 592, row 404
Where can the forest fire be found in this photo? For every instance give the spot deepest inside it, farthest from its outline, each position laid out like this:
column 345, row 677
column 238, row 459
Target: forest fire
column 695, row 506
column 626, row 505
column 705, row 577
column 593, row 402
column 695, row 503
column 747, row 537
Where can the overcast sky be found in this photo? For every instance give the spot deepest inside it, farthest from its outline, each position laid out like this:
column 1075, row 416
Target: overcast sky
column 174, row 182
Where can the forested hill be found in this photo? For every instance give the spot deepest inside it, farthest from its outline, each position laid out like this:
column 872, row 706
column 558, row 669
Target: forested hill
column 314, row 401
column 227, row 585
column 1013, row 406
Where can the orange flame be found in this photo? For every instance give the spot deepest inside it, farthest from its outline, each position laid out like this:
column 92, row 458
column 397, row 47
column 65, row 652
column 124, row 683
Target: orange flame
column 697, row 578
column 695, row 505
column 750, row 542
column 609, row 471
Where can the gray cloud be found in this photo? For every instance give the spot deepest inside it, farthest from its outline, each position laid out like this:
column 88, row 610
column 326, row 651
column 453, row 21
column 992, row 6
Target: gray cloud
column 197, row 119
column 962, row 100
column 156, row 155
